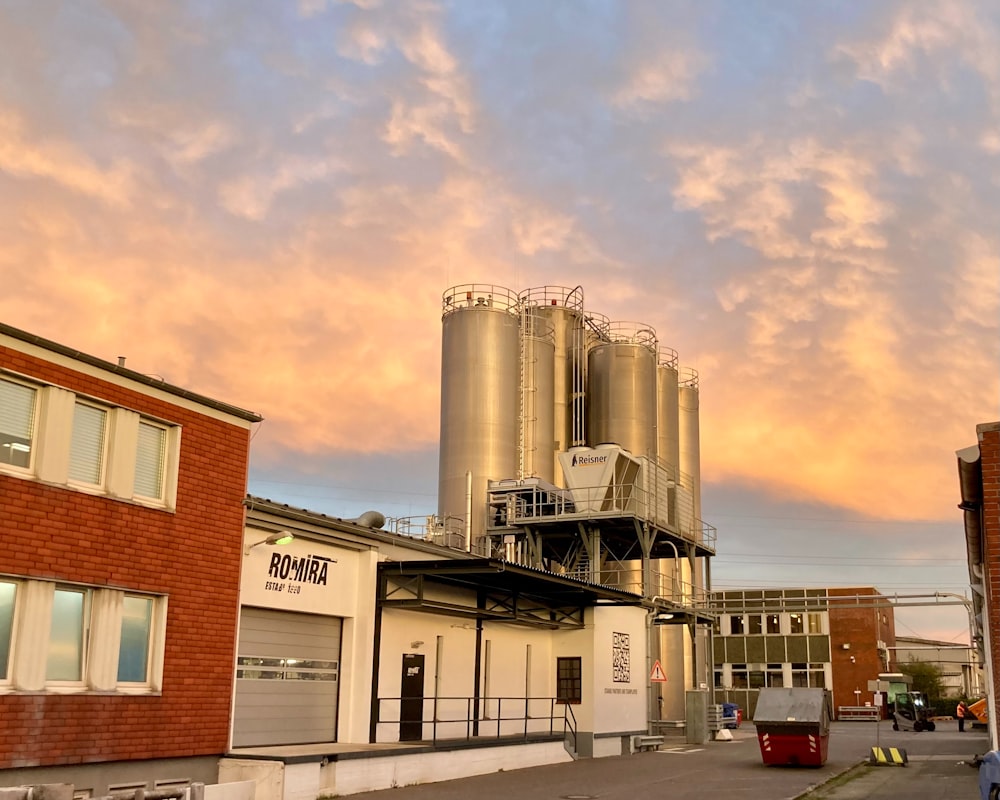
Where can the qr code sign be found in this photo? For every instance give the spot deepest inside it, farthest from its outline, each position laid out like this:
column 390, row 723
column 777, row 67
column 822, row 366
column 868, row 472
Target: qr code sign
column 620, row 659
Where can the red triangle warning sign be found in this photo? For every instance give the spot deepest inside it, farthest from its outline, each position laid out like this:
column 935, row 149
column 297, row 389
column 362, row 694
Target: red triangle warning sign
column 657, row 675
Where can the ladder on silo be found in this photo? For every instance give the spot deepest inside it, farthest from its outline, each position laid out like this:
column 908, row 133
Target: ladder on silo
column 578, row 367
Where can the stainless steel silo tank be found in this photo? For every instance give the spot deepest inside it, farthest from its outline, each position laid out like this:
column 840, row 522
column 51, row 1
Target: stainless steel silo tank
column 667, row 420
column 689, row 439
column 537, row 429
column 621, row 388
column 562, row 308
column 480, row 380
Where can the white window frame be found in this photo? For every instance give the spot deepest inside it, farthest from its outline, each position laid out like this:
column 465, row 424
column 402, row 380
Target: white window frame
column 31, row 638
column 55, row 684
column 52, row 426
column 160, row 498
column 33, row 428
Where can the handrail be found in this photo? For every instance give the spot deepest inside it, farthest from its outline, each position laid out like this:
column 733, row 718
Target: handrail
column 569, row 723
column 671, row 507
column 509, row 716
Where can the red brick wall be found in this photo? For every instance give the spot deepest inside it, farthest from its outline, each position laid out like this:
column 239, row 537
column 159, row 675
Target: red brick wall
column 861, row 628
column 989, row 449
column 193, row 555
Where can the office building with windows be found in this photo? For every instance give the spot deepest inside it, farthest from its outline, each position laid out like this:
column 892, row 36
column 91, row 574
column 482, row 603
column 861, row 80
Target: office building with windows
column 835, row 638
column 121, row 513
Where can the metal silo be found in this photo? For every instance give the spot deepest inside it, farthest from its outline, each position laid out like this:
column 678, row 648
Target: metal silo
column 562, row 308
column 480, row 399
column 621, row 388
column 690, row 436
column 537, row 444
column 667, row 420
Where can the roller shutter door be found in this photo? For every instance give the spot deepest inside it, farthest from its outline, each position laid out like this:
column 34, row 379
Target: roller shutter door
column 287, row 676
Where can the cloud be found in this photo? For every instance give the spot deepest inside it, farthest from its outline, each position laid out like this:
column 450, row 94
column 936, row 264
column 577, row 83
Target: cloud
column 668, row 76
column 28, row 157
column 265, row 204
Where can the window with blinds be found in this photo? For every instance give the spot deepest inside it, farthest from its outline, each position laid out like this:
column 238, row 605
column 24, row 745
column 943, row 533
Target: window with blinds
column 149, row 460
column 86, row 457
column 17, row 423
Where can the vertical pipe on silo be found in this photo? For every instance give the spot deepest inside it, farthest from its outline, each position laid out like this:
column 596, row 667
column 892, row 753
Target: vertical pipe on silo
column 480, row 347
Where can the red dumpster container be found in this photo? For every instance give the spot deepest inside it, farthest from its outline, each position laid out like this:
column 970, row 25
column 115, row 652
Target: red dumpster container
column 793, row 726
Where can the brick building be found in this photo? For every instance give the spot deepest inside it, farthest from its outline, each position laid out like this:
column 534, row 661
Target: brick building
column 836, row 639
column 121, row 510
column 979, row 488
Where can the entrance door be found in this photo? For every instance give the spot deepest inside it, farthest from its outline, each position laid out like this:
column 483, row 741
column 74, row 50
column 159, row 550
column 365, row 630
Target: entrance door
column 411, row 693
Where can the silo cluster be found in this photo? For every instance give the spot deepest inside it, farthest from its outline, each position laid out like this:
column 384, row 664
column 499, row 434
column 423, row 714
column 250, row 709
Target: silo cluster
column 528, row 375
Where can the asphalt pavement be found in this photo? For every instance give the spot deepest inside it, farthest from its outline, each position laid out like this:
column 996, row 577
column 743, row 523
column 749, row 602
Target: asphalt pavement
column 937, row 769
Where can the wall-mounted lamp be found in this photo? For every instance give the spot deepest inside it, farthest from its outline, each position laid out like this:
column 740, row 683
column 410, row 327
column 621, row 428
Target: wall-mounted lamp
column 662, row 618
column 845, row 646
column 281, row 537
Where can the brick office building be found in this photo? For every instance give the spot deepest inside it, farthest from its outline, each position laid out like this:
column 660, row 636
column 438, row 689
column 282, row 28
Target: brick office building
column 834, row 638
column 121, row 513
column 979, row 488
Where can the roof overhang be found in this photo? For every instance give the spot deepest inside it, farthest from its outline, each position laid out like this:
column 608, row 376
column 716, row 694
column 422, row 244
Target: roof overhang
column 496, row 590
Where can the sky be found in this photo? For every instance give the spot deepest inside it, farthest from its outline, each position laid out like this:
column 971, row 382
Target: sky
column 264, row 202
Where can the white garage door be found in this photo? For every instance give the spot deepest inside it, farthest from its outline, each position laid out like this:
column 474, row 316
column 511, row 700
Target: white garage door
column 287, row 673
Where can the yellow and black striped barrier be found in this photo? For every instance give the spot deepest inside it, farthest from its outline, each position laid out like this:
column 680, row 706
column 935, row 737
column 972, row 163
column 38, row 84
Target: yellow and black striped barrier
column 887, row 755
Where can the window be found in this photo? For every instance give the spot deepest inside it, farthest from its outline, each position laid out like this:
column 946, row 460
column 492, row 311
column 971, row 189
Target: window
column 736, row 625
column 775, row 676
column 808, row 675
column 133, row 655
column 569, row 680
column 8, row 592
column 53, row 435
column 100, row 639
column 149, row 458
column 815, row 622
column 796, row 623
column 773, row 623
column 65, row 657
column 86, row 457
column 17, row 423
column 741, row 679
column 755, row 624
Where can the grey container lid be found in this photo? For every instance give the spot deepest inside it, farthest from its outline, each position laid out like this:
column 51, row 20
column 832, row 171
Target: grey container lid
column 793, row 706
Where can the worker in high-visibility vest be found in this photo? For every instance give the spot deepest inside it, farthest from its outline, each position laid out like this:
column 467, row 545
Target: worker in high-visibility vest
column 960, row 713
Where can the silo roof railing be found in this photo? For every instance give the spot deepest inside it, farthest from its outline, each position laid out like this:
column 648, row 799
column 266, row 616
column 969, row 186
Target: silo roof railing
column 688, row 376
column 479, row 295
column 628, row 332
column 558, row 296
column 668, row 358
